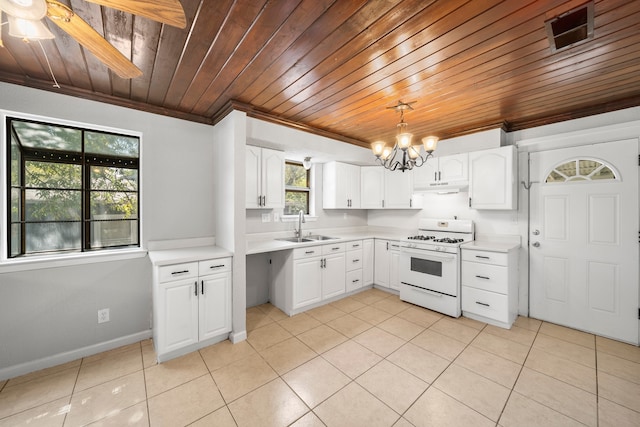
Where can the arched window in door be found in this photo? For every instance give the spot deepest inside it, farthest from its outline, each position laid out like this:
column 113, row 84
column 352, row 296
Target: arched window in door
column 582, row 170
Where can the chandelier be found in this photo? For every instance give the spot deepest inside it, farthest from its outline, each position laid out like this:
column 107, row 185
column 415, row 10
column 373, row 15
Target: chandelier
column 404, row 156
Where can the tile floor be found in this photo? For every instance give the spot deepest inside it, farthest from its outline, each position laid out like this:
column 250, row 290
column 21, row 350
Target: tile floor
column 366, row 360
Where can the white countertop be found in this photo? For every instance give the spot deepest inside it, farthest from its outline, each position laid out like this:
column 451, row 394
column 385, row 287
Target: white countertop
column 198, row 253
column 491, row 246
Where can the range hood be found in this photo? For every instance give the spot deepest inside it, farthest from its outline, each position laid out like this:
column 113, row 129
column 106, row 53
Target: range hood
column 442, row 187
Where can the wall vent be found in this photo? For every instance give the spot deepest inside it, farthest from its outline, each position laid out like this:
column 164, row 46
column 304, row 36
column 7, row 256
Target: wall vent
column 570, row 28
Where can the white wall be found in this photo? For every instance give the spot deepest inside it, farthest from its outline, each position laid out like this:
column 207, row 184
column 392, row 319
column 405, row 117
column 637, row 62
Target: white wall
column 47, row 312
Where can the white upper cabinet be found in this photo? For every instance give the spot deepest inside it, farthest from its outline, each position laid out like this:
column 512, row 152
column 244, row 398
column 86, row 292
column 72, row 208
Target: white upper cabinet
column 265, row 178
column 440, row 173
column 385, row 189
column 340, row 186
column 372, row 185
column 493, row 183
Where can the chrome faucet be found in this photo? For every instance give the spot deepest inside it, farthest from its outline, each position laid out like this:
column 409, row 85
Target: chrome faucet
column 300, row 222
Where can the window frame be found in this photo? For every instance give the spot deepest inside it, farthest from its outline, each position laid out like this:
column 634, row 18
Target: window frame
column 62, row 257
column 294, row 189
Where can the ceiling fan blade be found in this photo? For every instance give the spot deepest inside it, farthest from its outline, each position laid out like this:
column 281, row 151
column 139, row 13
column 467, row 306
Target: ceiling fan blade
column 166, row 11
column 84, row 34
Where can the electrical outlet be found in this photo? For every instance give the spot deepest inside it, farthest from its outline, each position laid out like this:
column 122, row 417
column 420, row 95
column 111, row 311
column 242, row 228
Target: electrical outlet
column 276, row 217
column 103, row 315
column 266, row 217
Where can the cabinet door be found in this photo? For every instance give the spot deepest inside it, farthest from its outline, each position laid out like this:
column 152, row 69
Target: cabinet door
column 333, row 276
column 398, row 189
column 394, row 270
column 254, row 177
column 214, row 305
column 454, row 168
column 381, row 269
column 353, row 184
column 426, row 174
column 334, row 189
column 307, row 282
column 179, row 314
column 367, row 262
column 492, row 180
column 372, row 187
column 273, row 178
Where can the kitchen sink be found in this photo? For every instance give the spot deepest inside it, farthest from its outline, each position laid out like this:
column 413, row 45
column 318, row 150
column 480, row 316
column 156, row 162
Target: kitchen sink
column 318, row 237
column 296, row 240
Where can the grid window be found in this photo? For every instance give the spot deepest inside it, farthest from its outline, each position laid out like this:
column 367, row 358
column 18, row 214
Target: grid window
column 70, row 189
column 297, row 189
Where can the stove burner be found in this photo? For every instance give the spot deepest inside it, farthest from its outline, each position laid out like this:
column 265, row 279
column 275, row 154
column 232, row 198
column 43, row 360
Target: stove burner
column 449, row 240
column 419, row 237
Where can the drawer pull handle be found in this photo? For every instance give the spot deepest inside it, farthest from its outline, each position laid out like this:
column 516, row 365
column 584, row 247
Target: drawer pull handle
column 355, row 281
column 355, row 246
column 483, row 303
column 310, row 252
column 482, row 257
column 336, row 248
column 180, row 272
column 355, row 260
column 482, row 277
column 217, row 266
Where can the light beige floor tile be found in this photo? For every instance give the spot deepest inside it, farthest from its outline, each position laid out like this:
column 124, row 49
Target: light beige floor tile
column 565, row 349
column 420, row 316
column 379, row 341
column 524, row 412
column 299, row 323
column 393, row 385
column 354, row 406
column 348, row 304
column 403, row 423
column 106, row 399
column 325, row 313
column 475, row 391
column 560, row 396
column 186, row 403
column 567, row 334
column 224, row 353
column 439, row 344
column 422, row 363
column 41, row 373
column 243, row 376
column 3, row 383
column 273, row 404
column 472, row 323
column 272, row 311
column 109, row 368
column 528, row 323
column 613, row 415
column 308, row 420
column 170, row 374
column 371, row 315
column 219, row 418
column 48, row 415
column 267, row 336
column 287, row 355
column 435, row 408
column 322, row 338
column 315, row 381
column 504, row 348
column 349, row 325
column 149, row 357
column 370, row 296
column 565, row 370
column 136, row 415
column 37, row 392
column 455, row 330
column 520, row 335
column 619, row 367
column 617, row 348
column 256, row 318
column 401, row 328
column 351, row 358
column 392, row 305
column 497, row 369
column 620, row 391
column 112, row 352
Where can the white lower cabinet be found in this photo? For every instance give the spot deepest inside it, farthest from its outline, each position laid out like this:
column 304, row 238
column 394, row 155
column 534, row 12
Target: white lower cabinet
column 387, row 258
column 367, row 262
column 192, row 304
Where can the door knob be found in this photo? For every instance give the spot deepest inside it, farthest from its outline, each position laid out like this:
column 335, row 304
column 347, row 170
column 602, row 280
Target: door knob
column 535, row 232
column 536, row 244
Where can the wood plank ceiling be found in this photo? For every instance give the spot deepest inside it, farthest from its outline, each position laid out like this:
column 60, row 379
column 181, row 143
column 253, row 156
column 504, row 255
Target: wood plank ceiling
column 333, row 66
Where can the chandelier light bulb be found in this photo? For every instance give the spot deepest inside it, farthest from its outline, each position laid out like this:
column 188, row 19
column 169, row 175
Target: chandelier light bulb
column 377, row 148
column 430, row 143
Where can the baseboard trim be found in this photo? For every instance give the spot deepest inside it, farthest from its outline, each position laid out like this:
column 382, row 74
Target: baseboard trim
column 58, row 359
column 236, row 337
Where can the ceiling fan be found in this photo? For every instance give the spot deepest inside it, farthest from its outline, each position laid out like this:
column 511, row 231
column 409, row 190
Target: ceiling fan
column 25, row 21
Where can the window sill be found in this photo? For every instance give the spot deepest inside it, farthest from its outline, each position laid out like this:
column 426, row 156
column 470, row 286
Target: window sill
column 67, row 260
column 294, row 218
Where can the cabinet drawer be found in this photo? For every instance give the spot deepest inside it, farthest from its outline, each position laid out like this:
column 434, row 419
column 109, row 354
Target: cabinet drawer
column 212, row 266
column 354, row 260
column 494, row 278
column 496, row 258
column 356, row 244
column 354, row 280
column 169, row 273
column 332, row 249
column 307, row 252
column 484, row 303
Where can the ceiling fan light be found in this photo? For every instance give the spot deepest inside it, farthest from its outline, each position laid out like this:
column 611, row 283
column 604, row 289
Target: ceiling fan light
column 430, row 143
column 25, row 9
column 28, row 29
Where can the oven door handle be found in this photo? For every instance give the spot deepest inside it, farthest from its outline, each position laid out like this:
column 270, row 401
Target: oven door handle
column 428, row 255
column 424, row 291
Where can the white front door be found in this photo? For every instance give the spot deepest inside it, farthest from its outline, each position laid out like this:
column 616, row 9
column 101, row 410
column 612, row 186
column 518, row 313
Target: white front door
column 583, row 241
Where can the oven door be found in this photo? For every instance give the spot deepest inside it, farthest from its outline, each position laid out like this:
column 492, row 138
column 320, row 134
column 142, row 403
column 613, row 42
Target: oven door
column 431, row 270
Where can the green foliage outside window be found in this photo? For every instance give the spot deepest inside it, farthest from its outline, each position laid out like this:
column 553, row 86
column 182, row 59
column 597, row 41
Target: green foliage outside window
column 296, row 180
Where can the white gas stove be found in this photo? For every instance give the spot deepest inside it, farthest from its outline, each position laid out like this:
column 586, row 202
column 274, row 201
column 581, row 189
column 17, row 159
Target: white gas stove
column 430, row 264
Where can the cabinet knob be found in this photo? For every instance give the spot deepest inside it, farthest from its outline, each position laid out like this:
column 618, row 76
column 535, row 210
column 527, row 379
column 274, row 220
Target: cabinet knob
column 536, row 244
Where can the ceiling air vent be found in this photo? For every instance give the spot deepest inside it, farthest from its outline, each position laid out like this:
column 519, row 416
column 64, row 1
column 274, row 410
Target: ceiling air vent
column 571, row 28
